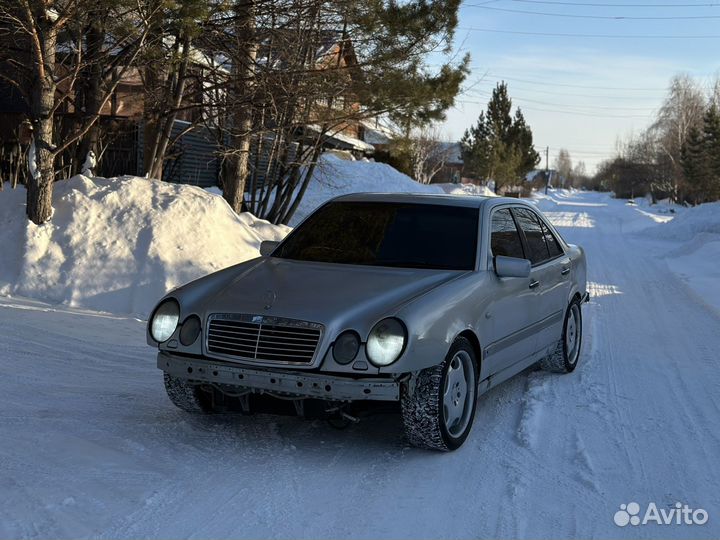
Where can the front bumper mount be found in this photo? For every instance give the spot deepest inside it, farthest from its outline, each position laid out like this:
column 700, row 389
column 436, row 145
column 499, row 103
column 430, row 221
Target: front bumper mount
column 280, row 382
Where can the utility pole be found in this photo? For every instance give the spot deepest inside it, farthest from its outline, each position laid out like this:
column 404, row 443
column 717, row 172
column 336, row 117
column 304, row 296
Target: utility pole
column 547, row 167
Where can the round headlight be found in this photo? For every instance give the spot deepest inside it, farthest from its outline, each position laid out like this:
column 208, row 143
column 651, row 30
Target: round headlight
column 165, row 320
column 190, row 330
column 346, row 347
column 386, row 342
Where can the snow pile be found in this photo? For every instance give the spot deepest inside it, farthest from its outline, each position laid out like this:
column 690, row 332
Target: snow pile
column 334, row 177
column 119, row 244
column 704, row 218
column 467, row 189
column 694, row 234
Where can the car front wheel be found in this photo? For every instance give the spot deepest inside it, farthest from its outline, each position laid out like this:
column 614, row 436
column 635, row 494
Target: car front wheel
column 438, row 412
column 188, row 397
column 567, row 352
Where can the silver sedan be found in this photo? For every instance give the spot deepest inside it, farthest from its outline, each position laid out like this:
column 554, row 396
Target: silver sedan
column 425, row 300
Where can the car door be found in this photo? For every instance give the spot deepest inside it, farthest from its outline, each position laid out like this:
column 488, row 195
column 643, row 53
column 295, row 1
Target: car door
column 548, row 277
column 508, row 314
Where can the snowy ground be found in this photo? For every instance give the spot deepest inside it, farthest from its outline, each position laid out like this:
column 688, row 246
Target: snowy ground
column 91, row 447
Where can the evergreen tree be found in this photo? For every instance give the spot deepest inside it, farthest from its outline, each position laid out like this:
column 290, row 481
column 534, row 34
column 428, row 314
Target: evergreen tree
column 711, row 151
column 500, row 146
column 476, row 149
column 695, row 165
column 522, row 134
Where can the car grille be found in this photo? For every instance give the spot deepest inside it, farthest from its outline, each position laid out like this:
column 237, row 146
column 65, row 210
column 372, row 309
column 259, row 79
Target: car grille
column 263, row 339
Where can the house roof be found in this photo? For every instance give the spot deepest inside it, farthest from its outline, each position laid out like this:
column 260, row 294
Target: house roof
column 453, row 151
column 343, row 141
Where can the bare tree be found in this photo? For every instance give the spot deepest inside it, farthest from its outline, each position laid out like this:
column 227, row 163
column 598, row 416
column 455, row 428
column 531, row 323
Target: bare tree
column 682, row 111
column 47, row 77
column 564, row 166
column 422, row 153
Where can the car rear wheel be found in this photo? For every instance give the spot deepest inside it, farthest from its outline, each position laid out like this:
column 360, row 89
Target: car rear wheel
column 188, row 397
column 439, row 412
column 567, row 352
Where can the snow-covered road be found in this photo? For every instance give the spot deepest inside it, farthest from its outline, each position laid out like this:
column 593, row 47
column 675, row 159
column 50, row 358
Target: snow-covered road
column 90, row 446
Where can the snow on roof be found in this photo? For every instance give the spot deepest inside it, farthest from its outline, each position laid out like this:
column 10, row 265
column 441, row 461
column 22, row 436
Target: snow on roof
column 375, row 132
column 356, row 144
column 453, row 151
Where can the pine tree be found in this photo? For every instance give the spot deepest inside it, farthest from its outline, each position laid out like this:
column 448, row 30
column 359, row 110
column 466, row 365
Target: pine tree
column 695, row 165
column 711, row 151
column 499, row 147
column 522, row 135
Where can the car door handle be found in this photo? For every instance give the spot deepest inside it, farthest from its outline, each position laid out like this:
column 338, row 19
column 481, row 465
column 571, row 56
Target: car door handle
column 565, row 271
column 534, row 284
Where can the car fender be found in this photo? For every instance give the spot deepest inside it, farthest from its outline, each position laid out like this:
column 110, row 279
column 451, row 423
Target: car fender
column 436, row 318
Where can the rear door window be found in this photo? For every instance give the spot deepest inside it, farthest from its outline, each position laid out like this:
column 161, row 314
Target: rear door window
column 504, row 236
column 534, row 235
column 552, row 243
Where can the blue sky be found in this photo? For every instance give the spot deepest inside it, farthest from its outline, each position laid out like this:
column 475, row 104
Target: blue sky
column 582, row 93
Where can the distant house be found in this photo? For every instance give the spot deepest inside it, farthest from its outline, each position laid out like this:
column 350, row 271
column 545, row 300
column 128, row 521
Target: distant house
column 193, row 157
column 451, row 172
column 377, row 134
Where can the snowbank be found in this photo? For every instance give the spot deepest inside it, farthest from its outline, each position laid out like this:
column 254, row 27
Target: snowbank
column 694, row 234
column 334, row 177
column 467, row 189
column 119, row 244
column 704, row 218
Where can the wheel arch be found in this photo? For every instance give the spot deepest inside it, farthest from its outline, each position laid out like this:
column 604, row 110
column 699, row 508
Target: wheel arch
column 471, row 336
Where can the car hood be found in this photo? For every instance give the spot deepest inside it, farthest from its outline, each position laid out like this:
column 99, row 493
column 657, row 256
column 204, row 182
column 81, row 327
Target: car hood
column 321, row 292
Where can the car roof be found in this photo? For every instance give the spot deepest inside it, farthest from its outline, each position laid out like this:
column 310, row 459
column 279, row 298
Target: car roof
column 467, row 201
column 419, row 198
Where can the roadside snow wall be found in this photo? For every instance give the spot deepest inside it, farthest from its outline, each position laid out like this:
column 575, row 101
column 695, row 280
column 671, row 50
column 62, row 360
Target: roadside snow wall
column 119, row 244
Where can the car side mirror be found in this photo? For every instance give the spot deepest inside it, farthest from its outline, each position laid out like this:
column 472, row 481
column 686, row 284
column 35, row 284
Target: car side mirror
column 511, row 266
column 267, row 247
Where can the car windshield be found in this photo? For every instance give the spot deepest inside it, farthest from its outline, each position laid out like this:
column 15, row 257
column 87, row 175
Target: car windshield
column 402, row 235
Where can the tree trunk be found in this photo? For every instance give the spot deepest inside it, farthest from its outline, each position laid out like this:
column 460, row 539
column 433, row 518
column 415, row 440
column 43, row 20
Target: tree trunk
column 237, row 169
column 91, row 90
column 151, row 123
column 176, row 92
column 40, row 184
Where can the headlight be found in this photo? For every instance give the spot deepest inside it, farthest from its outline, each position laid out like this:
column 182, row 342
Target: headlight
column 346, row 347
column 386, row 342
column 165, row 320
column 190, row 330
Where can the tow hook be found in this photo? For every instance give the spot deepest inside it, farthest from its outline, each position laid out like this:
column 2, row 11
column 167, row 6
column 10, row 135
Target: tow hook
column 339, row 419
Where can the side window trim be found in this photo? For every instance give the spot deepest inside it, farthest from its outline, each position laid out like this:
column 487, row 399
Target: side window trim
column 543, row 225
column 520, row 232
column 546, row 227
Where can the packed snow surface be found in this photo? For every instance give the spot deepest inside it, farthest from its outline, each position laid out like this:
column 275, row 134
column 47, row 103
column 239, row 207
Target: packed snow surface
column 91, row 446
column 120, row 244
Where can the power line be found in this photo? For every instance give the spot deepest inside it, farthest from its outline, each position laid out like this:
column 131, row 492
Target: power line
column 569, row 112
column 565, row 85
column 604, row 17
column 601, row 4
column 612, row 108
column 588, row 96
column 592, row 36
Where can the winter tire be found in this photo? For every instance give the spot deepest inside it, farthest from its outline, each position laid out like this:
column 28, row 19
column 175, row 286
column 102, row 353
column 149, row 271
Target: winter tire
column 439, row 413
column 567, row 352
column 188, row 397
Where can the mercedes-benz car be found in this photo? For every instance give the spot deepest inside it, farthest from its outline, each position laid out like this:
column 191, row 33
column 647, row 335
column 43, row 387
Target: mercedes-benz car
column 425, row 300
